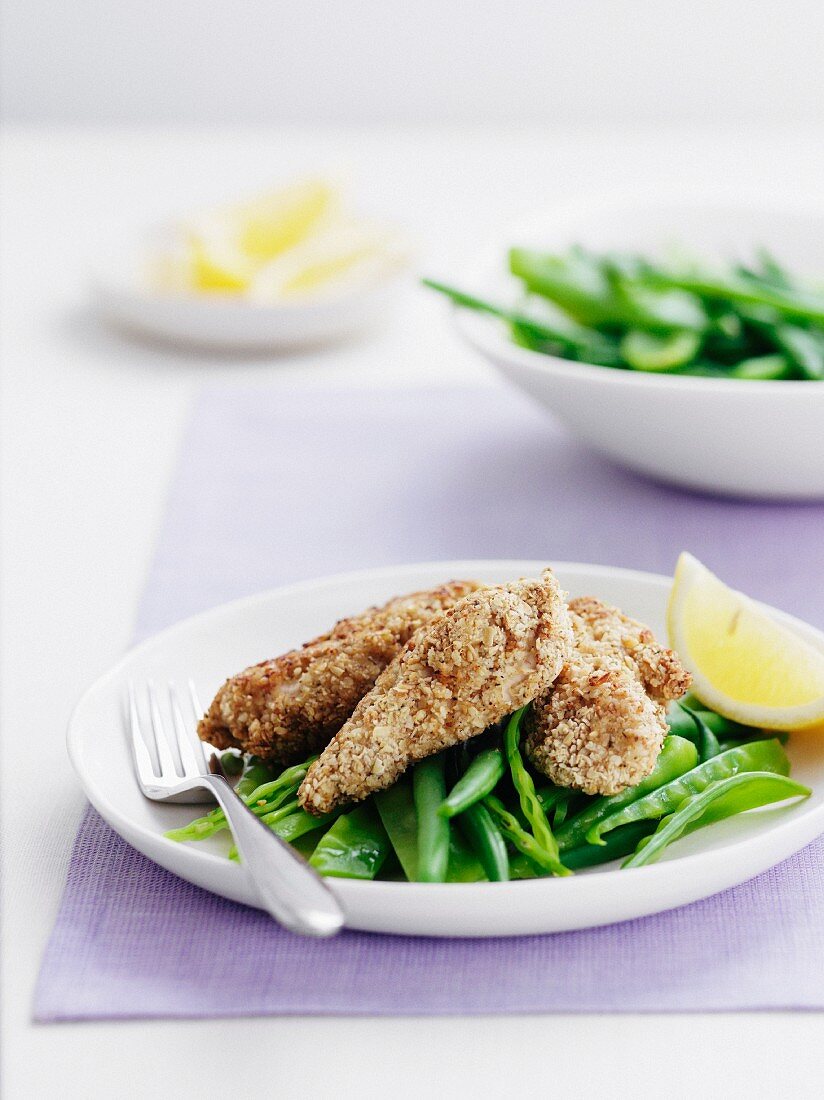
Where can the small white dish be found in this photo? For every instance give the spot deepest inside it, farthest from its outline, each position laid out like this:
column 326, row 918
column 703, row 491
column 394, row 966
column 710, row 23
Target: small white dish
column 228, row 323
column 217, row 643
column 738, row 438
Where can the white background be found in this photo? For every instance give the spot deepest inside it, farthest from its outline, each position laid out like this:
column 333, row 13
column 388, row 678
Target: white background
column 413, row 61
column 485, row 111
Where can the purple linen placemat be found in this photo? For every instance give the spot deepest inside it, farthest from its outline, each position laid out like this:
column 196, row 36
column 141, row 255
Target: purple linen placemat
column 276, row 486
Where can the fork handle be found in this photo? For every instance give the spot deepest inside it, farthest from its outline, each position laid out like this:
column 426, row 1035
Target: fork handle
column 290, row 890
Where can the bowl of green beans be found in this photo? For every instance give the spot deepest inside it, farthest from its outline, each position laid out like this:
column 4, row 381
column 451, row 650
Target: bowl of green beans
column 683, row 340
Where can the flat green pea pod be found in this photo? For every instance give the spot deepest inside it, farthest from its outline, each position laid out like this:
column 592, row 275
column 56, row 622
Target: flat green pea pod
column 231, row 762
column 356, row 846
column 480, row 779
column 720, row 799
column 530, row 804
column 429, row 790
column 705, row 740
column 396, row 806
column 757, row 756
column 619, row 843
column 680, row 722
column 486, row 841
column 520, row 839
column 677, row 756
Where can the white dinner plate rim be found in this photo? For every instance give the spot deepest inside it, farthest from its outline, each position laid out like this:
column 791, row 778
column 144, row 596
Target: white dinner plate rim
column 795, row 832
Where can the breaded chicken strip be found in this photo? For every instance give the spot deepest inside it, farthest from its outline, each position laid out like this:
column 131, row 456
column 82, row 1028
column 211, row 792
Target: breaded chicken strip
column 288, row 707
column 491, row 653
column 601, row 725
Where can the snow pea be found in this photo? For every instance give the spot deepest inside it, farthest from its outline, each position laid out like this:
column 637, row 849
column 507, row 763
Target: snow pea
column 479, row 780
column 679, row 719
column 356, row 845
column 620, row 842
column 486, row 841
column 703, row 735
column 396, row 806
column 789, row 303
column 530, row 804
column 231, row 762
column 720, row 799
column 429, row 791
column 756, row 756
column 678, row 755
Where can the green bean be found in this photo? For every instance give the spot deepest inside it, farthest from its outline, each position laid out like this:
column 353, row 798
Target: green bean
column 486, row 841
column 530, row 804
column 479, row 780
column 522, row 840
column 356, row 845
column 721, row 798
column 677, row 756
column 563, row 336
column 429, row 791
column 755, row 756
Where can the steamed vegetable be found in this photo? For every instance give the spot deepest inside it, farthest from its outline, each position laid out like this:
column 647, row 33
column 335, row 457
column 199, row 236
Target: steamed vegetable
column 752, row 322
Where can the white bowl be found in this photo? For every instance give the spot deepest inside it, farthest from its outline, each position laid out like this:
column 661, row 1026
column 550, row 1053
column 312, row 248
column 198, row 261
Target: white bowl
column 738, row 438
column 235, row 323
column 210, row 646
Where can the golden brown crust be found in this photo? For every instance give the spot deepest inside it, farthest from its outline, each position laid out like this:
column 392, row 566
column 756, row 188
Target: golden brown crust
column 493, row 652
column 601, row 725
column 286, row 708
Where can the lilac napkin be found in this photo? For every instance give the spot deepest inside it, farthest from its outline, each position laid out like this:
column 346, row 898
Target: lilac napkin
column 275, row 486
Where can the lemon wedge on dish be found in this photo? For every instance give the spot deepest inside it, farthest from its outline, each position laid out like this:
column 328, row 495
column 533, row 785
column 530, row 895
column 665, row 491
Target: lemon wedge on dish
column 745, row 665
column 269, row 225
column 221, row 253
column 341, row 258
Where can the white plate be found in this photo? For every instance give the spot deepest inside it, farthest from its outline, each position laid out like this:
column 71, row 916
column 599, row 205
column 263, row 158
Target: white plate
column 720, row 435
column 237, row 324
column 210, row 646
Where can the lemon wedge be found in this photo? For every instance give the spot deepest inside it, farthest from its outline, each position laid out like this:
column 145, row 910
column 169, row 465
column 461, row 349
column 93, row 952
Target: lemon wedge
column 269, row 225
column 745, row 665
column 341, row 258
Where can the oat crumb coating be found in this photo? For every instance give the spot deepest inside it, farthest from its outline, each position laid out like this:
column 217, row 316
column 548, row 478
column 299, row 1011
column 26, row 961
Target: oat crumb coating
column 601, row 725
column 494, row 651
column 286, row 708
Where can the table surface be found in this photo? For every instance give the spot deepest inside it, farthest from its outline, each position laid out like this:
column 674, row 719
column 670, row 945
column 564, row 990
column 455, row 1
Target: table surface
column 90, row 426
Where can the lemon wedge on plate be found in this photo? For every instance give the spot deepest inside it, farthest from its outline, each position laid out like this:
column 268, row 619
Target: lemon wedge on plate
column 745, row 664
column 341, row 258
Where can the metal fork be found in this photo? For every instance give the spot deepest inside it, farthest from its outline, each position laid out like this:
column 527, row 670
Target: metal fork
column 292, row 892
